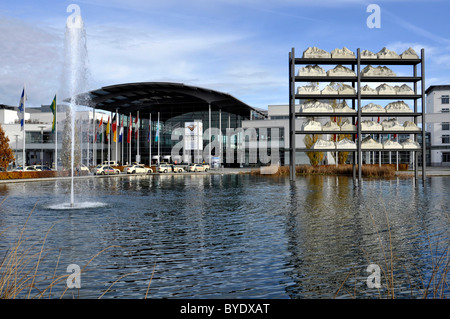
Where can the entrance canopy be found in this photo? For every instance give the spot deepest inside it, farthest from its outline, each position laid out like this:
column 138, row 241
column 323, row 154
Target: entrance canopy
column 153, row 97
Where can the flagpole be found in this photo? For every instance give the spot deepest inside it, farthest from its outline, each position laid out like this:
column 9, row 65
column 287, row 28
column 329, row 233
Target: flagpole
column 94, row 140
column 121, row 141
column 150, row 138
column 158, row 140
column 115, row 134
column 109, row 138
column 137, row 138
column 23, row 142
column 103, row 140
column 130, row 124
column 56, row 134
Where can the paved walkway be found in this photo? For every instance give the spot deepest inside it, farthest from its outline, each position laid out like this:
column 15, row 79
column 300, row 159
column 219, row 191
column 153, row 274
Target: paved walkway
column 429, row 171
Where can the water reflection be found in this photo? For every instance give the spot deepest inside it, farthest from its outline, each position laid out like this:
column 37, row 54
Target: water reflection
column 235, row 236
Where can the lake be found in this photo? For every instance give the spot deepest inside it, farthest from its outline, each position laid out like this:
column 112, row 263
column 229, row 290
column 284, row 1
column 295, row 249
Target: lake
column 234, row 236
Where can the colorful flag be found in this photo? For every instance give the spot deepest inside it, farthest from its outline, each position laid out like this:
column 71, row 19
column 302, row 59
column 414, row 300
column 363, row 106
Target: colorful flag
column 21, row 110
column 121, row 131
column 114, row 128
column 53, row 108
column 157, row 131
column 136, row 127
column 130, row 127
column 107, row 127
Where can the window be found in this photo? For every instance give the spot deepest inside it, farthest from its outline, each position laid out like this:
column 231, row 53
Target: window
column 446, row 157
column 445, row 139
column 445, row 110
column 445, row 99
column 446, row 126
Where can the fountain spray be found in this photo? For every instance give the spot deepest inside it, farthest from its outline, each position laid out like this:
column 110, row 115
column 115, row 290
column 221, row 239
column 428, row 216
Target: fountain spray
column 76, row 59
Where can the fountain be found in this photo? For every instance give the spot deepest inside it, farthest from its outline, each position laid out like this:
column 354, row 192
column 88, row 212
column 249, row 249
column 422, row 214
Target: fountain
column 75, row 74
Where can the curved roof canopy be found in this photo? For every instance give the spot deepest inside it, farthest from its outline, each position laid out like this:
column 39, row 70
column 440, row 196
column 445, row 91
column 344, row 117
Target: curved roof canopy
column 152, row 97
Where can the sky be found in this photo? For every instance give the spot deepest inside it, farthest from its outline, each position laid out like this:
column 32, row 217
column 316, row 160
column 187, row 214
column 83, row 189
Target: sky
column 239, row 47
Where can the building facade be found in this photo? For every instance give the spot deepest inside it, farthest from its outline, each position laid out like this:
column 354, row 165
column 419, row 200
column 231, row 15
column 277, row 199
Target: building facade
column 438, row 124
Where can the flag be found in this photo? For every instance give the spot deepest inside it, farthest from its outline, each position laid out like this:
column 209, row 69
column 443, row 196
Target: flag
column 121, row 131
column 136, row 127
column 130, row 127
column 21, row 110
column 107, row 127
column 53, row 108
column 114, row 128
column 157, row 131
column 100, row 129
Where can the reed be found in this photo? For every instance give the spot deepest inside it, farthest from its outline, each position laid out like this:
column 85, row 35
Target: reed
column 435, row 287
column 343, row 170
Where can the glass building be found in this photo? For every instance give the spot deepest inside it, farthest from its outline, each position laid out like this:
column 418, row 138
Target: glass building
column 176, row 122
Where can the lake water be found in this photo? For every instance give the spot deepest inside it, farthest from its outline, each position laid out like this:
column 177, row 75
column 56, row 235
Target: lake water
column 234, row 236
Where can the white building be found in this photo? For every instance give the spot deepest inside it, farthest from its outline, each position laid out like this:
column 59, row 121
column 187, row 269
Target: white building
column 40, row 146
column 438, row 123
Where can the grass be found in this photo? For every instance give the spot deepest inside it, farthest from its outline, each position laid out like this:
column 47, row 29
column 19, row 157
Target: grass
column 20, row 276
column 435, row 287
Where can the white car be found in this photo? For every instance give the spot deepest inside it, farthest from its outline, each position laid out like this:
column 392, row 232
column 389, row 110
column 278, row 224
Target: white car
column 24, row 169
column 105, row 170
column 198, row 168
column 137, row 169
column 110, row 163
column 164, row 168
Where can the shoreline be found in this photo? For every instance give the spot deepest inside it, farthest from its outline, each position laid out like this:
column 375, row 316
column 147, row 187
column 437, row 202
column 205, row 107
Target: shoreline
column 435, row 171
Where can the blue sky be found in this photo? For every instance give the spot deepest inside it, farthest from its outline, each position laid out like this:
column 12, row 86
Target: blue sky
column 235, row 46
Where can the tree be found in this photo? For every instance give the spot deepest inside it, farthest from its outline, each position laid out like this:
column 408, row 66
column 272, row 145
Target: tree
column 6, row 153
column 314, row 157
column 66, row 156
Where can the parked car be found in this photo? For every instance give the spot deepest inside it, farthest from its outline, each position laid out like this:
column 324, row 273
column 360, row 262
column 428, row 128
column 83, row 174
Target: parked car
column 84, row 168
column 164, row 168
column 110, row 163
column 42, row 168
column 178, row 168
column 24, row 169
column 198, row 168
column 105, row 170
column 137, row 169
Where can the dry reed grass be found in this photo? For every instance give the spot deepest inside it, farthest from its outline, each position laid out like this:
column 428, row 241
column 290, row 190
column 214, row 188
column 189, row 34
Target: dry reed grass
column 435, row 287
column 367, row 170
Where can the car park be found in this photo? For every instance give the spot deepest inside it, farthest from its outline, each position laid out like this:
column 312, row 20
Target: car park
column 137, row 169
column 105, row 170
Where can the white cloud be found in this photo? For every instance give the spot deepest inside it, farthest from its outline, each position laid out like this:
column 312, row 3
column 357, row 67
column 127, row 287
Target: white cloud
column 31, row 56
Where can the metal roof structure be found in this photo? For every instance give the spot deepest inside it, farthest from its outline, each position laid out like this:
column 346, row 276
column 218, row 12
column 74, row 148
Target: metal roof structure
column 153, row 97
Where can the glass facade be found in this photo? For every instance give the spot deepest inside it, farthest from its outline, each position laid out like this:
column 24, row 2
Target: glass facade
column 159, row 140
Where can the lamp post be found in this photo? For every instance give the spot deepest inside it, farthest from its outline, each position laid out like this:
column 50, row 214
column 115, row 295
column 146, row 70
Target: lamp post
column 42, row 144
